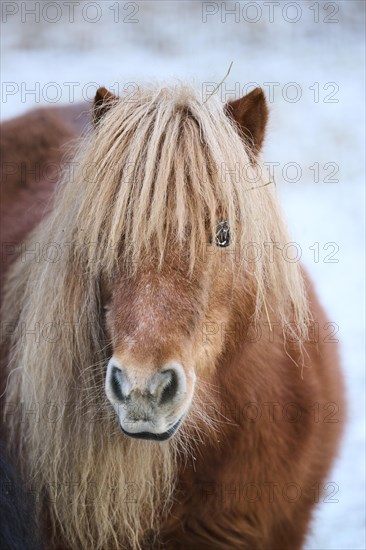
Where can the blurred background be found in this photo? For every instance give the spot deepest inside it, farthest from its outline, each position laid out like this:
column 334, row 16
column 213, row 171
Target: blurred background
column 309, row 57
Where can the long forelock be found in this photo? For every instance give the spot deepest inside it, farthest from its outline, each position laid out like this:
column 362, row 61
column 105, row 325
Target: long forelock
column 167, row 169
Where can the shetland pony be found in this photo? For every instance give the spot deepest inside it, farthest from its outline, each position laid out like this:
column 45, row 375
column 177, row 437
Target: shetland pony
column 170, row 379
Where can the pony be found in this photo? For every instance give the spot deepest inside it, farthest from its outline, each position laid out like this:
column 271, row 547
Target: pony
column 170, row 380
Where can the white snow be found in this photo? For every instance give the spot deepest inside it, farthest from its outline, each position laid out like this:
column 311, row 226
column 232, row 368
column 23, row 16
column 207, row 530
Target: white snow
column 170, row 41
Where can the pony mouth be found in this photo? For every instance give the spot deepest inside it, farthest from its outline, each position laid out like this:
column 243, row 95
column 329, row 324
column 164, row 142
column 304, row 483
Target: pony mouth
column 152, row 436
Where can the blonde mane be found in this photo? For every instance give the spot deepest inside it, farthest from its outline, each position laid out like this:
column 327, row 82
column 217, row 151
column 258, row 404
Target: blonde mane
column 161, row 169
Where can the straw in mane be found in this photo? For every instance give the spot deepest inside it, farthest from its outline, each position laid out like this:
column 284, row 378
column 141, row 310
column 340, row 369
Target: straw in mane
column 141, row 284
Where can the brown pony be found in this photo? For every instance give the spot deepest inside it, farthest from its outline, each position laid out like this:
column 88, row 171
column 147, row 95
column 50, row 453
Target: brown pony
column 169, row 380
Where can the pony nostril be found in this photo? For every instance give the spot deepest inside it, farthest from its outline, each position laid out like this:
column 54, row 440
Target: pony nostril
column 170, row 389
column 117, row 382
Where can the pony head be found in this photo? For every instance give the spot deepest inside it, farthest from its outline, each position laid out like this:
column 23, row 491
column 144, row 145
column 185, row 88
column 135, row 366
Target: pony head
column 178, row 194
column 156, row 312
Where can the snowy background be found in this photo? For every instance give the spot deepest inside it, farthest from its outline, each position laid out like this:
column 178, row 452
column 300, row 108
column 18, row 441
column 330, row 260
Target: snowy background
column 309, row 58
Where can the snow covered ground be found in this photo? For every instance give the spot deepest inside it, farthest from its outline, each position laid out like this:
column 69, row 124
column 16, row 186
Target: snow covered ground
column 309, row 58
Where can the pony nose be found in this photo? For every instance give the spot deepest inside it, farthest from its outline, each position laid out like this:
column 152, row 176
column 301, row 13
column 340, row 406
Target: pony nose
column 165, row 386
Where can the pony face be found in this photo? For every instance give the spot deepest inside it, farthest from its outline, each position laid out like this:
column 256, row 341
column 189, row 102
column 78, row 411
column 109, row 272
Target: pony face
column 157, row 322
column 156, row 314
column 174, row 194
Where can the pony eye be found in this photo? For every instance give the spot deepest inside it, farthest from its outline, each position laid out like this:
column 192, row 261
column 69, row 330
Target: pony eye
column 222, row 235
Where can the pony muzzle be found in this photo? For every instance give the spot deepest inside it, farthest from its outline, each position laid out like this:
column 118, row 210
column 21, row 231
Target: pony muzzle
column 148, row 406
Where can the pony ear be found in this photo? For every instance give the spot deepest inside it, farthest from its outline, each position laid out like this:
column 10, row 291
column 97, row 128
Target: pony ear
column 103, row 101
column 250, row 113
